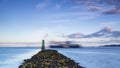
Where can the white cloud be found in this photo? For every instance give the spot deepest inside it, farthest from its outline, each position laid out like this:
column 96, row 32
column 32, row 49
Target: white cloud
column 112, row 11
column 97, row 41
column 49, row 4
column 95, row 8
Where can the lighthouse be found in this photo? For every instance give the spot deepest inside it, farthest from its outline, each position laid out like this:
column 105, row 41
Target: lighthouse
column 43, row 45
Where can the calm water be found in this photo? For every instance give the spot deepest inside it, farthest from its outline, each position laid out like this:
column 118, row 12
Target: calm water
column 12, row 57
column 103, row 57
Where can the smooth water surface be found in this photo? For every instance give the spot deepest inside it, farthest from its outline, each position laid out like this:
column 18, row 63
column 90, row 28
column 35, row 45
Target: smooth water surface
column 100, row 57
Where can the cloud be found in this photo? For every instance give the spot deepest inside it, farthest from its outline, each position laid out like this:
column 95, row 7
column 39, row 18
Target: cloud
column 41, row 5
column 112, row 11
column 115, row 9
column 86, row 2
column 93, row 5
column 97, row 41
column 49, row 4
column 104, row 6
column 95, row 8
column 104, row 11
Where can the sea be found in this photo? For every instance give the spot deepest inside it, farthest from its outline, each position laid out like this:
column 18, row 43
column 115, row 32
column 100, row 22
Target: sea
column 88, row 57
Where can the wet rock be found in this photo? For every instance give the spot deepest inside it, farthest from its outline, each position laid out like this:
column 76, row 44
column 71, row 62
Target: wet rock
column 49, row 59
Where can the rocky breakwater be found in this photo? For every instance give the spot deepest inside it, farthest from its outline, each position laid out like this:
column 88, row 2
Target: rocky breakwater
column 49, row 59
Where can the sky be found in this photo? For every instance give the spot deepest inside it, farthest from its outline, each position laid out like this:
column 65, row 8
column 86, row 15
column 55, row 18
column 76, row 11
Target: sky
column 31, row 20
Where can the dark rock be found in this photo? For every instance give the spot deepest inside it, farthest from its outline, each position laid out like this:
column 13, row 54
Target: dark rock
column 49, row 59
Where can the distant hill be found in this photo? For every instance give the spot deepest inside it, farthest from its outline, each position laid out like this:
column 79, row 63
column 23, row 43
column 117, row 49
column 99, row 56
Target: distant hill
column 112, row 45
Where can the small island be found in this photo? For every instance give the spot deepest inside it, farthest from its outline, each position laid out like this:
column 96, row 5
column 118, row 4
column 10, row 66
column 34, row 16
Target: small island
column 49, row 59
column 112, row 45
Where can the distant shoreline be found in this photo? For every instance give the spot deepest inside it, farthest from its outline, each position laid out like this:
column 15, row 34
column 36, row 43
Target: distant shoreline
column 112, row 45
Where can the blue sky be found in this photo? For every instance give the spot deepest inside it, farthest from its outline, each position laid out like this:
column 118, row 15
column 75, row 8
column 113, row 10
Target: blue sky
column 30, row 20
